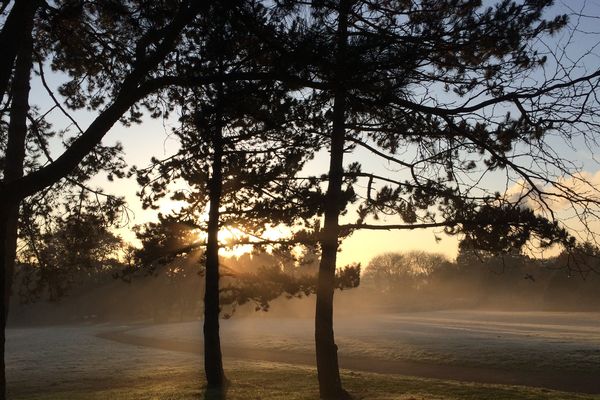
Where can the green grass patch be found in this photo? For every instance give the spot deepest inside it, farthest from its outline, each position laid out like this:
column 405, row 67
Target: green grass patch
column 272, row 381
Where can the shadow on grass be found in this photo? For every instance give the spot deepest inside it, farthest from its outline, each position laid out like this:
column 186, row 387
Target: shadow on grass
column 215, row 393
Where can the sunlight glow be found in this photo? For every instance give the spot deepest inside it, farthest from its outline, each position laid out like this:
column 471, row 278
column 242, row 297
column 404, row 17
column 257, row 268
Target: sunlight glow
column 230, row 239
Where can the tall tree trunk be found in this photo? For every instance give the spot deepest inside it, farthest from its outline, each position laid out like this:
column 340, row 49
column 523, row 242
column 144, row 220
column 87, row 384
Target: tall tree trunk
column 330, row 384
column 213, row 362
column 13, row 169
column 14, row 35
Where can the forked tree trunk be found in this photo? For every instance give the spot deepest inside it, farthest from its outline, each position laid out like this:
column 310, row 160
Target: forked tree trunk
column 330, row 384
column 13, row 169
column 213, row 361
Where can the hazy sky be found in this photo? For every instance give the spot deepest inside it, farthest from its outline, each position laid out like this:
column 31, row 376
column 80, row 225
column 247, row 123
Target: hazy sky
column 151, row 139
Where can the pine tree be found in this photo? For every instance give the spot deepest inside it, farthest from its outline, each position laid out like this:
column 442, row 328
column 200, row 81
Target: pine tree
column 242, row 148
column 116, row 56
column 419, row 85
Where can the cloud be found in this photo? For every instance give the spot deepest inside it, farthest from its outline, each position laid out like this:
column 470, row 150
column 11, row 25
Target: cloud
column 572, row 200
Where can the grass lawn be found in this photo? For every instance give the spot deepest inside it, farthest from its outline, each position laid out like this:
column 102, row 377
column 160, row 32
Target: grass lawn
column 272, row 381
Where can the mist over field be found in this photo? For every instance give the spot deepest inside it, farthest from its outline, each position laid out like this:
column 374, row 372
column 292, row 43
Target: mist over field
column 391, row 282
column 552, row 350
column 414, row 314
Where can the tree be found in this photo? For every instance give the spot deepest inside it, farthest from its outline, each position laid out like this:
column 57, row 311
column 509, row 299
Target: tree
column 420, row 85
column 242, row 148
column 117, row 55
column 14, row 159
column 78, row 249
column 270, row 282
column 162, row 241
column 14, row 37
column 391, row 273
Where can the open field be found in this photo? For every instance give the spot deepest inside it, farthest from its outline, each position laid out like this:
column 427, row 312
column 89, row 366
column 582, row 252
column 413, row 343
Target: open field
column 274, row 381
column 534, row 340
column 271, row 358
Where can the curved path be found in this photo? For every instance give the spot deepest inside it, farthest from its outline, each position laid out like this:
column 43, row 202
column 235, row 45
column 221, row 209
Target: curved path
column 559, row 380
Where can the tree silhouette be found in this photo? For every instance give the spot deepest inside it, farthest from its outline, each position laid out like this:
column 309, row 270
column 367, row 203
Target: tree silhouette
column 14, row 37
column 78, row 249
column 241, row 151
column 239, row 159
column 391, row 273
column 116, row 55
column 445, row 92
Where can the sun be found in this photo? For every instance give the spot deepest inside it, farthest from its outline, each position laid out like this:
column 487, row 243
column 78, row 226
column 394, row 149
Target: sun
column 228, row 237
column 235, row 242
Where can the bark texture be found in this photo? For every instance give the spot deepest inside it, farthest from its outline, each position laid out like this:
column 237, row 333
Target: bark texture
column 330, row 384
column 213, row 361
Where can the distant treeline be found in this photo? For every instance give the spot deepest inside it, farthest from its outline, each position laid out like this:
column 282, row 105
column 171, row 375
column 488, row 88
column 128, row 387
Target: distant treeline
column 410, row 281
column 421, row 281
